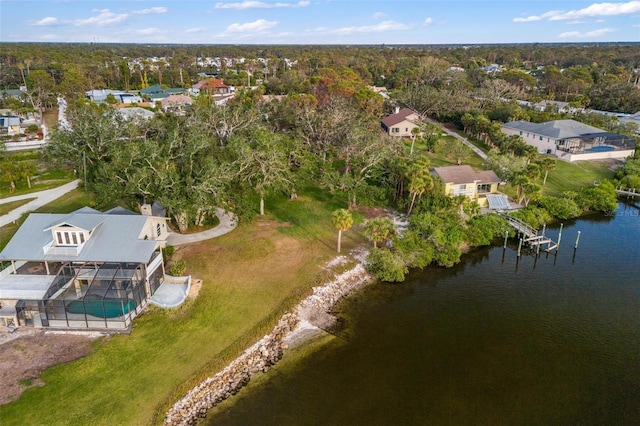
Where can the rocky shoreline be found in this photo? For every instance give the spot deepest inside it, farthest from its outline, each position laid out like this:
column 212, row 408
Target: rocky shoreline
column 309, row 318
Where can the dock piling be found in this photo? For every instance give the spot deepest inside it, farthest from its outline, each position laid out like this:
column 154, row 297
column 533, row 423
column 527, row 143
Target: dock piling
column 577, row 240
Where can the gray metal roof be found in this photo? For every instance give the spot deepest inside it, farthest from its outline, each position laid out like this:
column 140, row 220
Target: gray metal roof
column 115, row 240
column 498, row 202
column 556, row 129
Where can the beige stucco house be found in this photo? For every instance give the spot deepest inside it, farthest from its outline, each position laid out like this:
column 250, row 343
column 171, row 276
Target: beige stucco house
column 401, row 123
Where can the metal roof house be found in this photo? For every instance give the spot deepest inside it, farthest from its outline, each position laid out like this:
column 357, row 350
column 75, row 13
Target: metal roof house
column 570, row 140
column 86, row 269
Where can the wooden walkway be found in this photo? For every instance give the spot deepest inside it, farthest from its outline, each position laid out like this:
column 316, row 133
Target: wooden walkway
column 630, row 193
column 531, row 236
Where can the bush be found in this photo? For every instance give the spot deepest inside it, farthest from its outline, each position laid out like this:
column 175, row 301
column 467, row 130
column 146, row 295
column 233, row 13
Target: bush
column 177, row 268
column 482, row 230
column 602, row 198
column 533, row 216
column 168, row 252
column 386, row 265
column 561, row 208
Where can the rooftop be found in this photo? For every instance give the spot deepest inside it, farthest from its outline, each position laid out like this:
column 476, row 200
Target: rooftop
column 465, row 174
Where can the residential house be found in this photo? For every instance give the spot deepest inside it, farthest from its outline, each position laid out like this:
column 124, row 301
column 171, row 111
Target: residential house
column 570, row 140
column 401, row 123
column 10, row 124
column 633, row 119
column 100, row 96
column 135, row 113
column 463, row 180
column 20, row 93
column 87, row 269
column 380, row 90
column 156, row 92
column 176, row 103
column 210, row 86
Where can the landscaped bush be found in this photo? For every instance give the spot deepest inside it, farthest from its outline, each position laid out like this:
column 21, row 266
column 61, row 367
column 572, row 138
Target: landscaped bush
column 177, row 268
column 167, row 252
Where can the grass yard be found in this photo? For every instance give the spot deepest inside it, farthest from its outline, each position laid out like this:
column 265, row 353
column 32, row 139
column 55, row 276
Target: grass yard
column 575, row 176
column 7, row 207
column 439, row 160
column 251, row 276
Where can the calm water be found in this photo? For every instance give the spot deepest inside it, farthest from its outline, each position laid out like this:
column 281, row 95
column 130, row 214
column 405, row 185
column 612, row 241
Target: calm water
column 552, row 341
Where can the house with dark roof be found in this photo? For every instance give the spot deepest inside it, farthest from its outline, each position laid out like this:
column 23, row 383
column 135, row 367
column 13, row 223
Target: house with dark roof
column 210, row 86
column 401, row 123
column 86, row 269
column 571, row 140
column 463, row 180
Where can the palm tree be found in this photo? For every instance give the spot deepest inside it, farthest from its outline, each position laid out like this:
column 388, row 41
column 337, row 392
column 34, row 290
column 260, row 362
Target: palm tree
column 379, row 230
column 342, row 220
column 546, row 164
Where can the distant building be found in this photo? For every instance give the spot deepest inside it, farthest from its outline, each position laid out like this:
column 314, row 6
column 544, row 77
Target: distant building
column 100, row 96
column 571, row 140
column 10, row 124
column 401, row 123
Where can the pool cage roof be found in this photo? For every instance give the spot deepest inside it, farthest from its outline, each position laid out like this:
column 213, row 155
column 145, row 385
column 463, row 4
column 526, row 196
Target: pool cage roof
column 106, row 281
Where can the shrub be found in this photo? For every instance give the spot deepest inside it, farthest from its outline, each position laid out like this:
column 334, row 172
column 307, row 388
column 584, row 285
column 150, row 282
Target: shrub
column 386, row 265
column 532, row 216
column 168, row 252
column 177, row 268
column 482, row 230
column 561, row 208
column 601, row 198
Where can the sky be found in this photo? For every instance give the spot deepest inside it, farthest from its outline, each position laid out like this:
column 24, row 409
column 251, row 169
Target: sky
column 319, row 21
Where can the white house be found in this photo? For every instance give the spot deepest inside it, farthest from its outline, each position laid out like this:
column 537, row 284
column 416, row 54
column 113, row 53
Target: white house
column 571, row 140
column 86, row 269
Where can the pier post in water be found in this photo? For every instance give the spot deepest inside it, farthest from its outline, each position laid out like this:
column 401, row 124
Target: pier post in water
column 519, row 247
column 559, row 237
column 577, row 240
column 506, row 235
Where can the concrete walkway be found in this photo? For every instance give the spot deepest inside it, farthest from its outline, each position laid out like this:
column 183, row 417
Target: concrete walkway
column 461, row 138
column 41, row 198
column 228, row 223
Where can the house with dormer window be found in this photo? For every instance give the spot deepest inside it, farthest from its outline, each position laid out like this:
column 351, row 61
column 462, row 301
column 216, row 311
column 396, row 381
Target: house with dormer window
column 86, row 269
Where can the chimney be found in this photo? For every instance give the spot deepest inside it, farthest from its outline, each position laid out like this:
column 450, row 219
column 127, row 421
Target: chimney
column 396, row 110
column 145, row 209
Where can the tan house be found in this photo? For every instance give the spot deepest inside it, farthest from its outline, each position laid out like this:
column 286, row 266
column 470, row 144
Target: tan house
column 463, row 180
column 176, row 103
column 401, row 123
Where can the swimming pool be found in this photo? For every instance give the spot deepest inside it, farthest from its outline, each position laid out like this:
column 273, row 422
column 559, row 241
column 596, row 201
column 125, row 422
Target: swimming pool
column 103, row 308
column 600, row 148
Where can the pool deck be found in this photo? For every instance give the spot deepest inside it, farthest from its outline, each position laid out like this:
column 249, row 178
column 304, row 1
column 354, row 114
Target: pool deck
column 171, row 294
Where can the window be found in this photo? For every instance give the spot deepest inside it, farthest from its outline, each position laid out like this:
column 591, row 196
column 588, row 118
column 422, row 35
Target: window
column 69, row 238
column 540, row 137
column 74, row 237
column 484, row 187
column 158, row 230
column 59, row 237
column 462, row 187
column 520, row 132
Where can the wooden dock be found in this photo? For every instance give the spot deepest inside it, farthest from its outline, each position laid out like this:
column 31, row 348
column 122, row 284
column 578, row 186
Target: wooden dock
column 630, row 193
column 531, row 236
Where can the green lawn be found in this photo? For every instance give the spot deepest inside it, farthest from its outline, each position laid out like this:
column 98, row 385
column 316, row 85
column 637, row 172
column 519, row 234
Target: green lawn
column 439, row 160
column 251, row 276
column 575, row 176
column 7, row 207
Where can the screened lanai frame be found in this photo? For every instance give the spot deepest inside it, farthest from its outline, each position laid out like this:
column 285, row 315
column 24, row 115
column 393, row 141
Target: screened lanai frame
column 90, row 295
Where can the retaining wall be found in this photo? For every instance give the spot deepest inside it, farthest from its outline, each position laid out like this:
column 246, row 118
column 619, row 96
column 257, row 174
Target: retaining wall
column 263, row 354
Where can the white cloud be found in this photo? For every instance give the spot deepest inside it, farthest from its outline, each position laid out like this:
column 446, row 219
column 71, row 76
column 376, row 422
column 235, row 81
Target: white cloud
column 104, row 17
column 150, row 11
column 379, row 15
column 594, row 33
column 596, row 9
column 193, row 30
column 149, row 31
column 428, row 21
column 49, row 21
column 575, row 22
column 381, row 27
column 49, row 37
column 252, row 4
column 255, row 26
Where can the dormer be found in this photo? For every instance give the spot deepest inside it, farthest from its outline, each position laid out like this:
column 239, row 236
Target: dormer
column 70, row 235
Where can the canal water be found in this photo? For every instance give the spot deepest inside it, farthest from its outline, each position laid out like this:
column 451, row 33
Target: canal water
column 495, row 340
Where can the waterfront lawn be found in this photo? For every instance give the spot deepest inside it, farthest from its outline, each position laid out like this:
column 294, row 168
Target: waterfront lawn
column 575, row 176
column 251, row 276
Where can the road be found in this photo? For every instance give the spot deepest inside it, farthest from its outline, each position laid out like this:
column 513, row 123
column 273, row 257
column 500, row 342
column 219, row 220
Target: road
column 41, row 198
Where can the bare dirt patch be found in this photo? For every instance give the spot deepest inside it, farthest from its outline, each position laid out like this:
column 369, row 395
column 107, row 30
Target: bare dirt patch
column 24, row 358
column 371, row 212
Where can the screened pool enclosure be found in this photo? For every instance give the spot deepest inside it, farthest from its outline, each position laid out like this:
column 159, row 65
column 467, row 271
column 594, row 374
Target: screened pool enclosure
column 91, row 295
